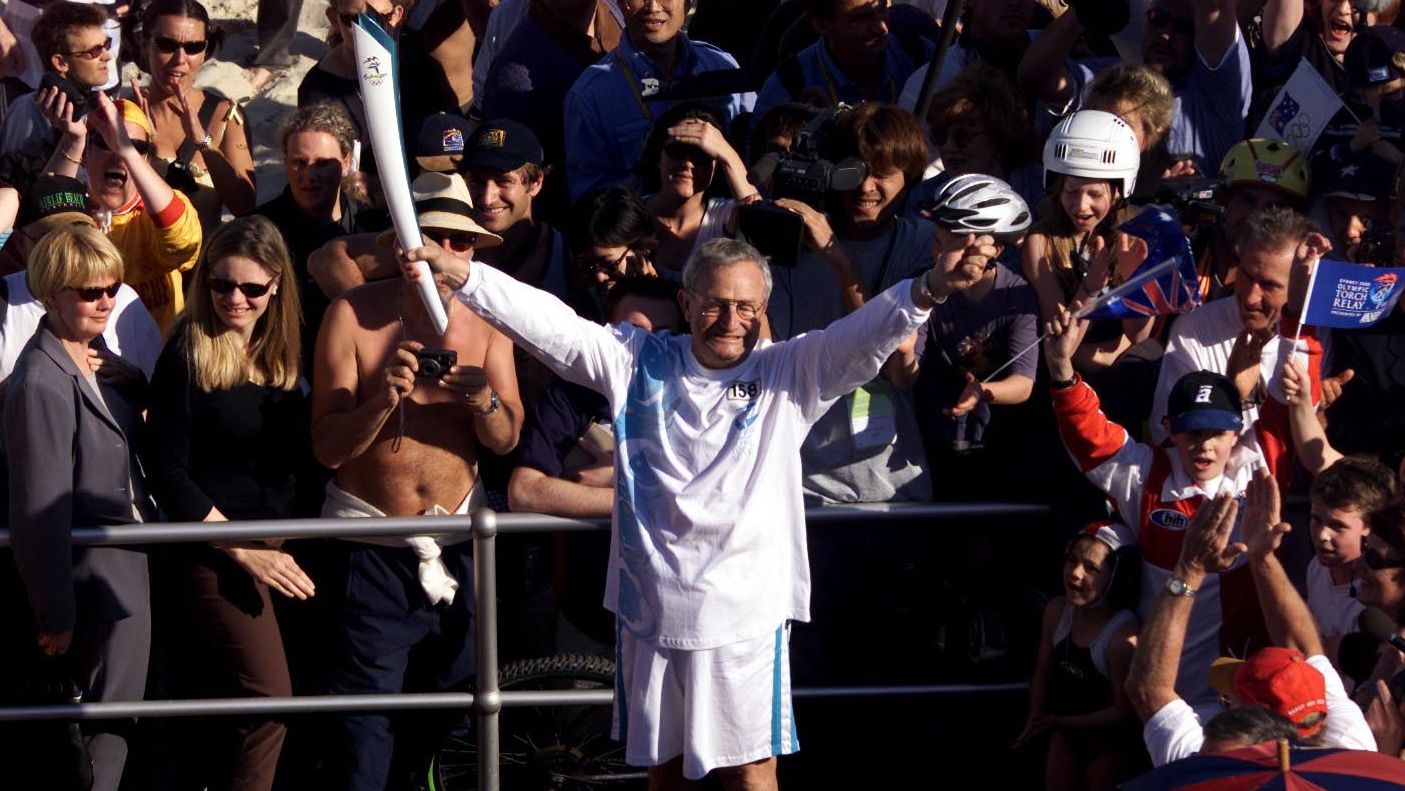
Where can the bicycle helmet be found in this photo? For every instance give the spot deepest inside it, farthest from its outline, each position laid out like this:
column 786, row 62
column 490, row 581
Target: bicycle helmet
column 1269, row 163
column 1093, row 144
column 977, row 204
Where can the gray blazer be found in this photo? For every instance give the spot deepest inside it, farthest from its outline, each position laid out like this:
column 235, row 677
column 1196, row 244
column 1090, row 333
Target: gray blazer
column 71, row 465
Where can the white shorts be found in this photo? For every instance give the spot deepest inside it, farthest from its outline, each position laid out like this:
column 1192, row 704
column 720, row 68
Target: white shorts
column 723, row 706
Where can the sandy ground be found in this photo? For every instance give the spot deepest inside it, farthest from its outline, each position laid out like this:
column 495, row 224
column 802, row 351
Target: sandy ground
column 267, row 110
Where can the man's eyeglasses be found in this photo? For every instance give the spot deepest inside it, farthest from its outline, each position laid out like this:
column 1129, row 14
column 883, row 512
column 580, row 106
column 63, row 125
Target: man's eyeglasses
column 251, row 290
column 1375, row 561
column 169, row 46
column 1160, row 18
column 457, row 241
column 95, row 293
column 94, row 52
column 715, row 308
column 143, row 147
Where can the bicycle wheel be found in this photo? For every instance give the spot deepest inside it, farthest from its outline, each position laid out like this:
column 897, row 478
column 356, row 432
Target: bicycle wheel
column 555, row 748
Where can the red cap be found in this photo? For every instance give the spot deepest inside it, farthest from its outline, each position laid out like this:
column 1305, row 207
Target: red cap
column 1276, row 678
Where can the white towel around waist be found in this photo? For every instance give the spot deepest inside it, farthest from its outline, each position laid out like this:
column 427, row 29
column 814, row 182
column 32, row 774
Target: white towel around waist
column 439, row 586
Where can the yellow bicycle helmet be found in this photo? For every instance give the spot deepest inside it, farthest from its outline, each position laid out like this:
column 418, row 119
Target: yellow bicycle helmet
column 1270, row 163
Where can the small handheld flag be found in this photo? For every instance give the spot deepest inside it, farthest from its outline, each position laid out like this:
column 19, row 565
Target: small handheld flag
column 1351, row 296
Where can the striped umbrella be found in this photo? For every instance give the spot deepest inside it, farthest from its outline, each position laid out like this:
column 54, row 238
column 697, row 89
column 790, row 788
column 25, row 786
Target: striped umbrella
column 1275, row 765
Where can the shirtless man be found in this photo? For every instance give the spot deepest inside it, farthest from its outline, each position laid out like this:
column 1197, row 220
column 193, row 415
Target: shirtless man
column 401, row 444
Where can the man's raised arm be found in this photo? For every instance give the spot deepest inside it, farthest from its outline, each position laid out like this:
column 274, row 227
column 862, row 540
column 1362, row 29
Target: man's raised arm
column 1151, row 683
column 578, row 350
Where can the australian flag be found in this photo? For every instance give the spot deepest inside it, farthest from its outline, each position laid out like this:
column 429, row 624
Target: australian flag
column 1174, row 286
column 1286, row 110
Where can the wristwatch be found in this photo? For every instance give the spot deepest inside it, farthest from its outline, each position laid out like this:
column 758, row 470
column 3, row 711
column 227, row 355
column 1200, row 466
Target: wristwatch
column 204, row 144
column 1178, row 587
column 492, row 404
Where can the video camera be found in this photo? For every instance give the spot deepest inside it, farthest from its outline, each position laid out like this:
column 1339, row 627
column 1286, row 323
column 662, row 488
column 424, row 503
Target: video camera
column 1193, row 199
column 802, row 174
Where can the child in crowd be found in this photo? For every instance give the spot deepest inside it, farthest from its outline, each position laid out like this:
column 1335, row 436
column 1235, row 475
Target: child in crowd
column 1342, row 497
column 1075, row 251
column 1156, row 489
column 1077, row 694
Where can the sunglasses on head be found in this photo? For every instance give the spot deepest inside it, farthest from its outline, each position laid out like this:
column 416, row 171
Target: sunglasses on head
column 1375, row 561
column 251, row 290
column 1160, row 18
column 143, row 147
column 169, row 46
column 94, row 52
column 95, row 293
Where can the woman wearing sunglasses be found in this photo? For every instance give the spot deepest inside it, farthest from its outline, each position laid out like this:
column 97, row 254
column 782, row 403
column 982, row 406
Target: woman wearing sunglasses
column 201, row 142
column 681, row 160
column 69, row 435
column 226, row 434
column 612, row 237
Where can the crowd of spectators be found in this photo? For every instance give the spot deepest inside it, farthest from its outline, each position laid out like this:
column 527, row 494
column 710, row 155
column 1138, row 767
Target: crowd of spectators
column 173, row 350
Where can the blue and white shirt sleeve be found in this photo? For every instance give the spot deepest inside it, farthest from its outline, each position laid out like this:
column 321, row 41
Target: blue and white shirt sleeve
column 577, row 350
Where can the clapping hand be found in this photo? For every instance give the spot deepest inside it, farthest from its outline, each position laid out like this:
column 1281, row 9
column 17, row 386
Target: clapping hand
column 1207, row 548
column 1262, row 528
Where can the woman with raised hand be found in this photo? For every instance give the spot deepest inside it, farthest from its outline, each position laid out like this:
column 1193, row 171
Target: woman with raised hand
column 684, row 155
column 68, row 435
column 227, row 433
column 201, row 141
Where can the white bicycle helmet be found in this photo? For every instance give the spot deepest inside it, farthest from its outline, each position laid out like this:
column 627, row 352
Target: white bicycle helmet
column 1093, row 144
column 977, row 204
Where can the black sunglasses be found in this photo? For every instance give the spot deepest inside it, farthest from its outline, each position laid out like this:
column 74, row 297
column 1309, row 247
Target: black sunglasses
column 458, row 241
column 1375, row 561
column 251, row 290
column 95, row 293
column 1161, row 18
column 143, row 147
column 681, row 151
column 94, row 52
column 169, row 46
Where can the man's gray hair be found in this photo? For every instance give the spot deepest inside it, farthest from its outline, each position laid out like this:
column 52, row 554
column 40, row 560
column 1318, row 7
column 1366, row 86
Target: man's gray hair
column 720, row 252
column 1272, row 229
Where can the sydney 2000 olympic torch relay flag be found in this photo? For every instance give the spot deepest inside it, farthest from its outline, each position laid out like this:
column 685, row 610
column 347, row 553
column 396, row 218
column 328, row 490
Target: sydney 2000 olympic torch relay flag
column 378, row 73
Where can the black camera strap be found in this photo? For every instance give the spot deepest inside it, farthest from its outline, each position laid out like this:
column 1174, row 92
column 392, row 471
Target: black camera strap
column 633, row 83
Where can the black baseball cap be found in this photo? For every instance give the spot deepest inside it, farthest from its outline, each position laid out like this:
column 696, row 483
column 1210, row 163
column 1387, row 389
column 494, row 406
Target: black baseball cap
column 440, row 143
column 61, row 200
column 1204, row 400
column 1370, row 58
column 502, row 144
column 1359, row 178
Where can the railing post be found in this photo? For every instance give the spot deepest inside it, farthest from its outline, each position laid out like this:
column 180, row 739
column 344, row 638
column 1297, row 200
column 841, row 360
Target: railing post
column 487, row 700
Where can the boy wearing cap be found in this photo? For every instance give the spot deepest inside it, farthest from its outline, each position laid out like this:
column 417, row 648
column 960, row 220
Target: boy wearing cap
column 1156, row 489
column 1291, row 676
column 1357, row 212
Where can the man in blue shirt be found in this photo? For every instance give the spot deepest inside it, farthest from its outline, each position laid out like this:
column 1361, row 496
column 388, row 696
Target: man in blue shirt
column 610, row 108
column 1196, row 44
column 855, row 60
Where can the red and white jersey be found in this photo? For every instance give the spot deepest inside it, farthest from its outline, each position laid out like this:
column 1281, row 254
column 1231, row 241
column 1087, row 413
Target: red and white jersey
column 1154, row 494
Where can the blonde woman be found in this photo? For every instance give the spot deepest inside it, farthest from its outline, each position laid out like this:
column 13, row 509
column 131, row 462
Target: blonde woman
column 71, row 465
column 227, row 431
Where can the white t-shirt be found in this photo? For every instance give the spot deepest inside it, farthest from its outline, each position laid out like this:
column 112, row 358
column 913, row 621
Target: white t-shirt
column 1333, row 606
column 1175, row 731
column 131, row 332
column 708, row 546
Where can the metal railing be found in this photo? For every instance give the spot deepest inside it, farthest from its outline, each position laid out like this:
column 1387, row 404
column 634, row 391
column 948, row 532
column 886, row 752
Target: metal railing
column 483, row 527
